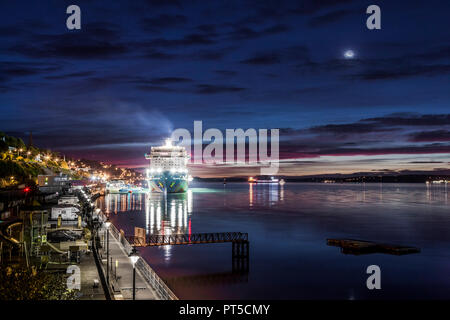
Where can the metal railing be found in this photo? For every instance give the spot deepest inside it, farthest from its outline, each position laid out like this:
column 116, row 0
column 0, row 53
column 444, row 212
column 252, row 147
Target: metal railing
column 194, row 238
column 150, row 276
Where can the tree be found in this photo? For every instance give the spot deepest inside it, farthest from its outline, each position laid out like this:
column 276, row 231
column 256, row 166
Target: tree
column 20, row 283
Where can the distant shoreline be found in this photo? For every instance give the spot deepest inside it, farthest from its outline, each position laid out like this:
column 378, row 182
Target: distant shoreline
column 347, row 179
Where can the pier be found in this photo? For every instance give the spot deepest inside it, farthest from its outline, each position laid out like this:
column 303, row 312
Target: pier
column 239, row 240
column 193, row 238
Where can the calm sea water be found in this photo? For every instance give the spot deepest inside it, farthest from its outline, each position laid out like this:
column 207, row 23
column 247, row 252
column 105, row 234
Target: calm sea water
column 288, row 227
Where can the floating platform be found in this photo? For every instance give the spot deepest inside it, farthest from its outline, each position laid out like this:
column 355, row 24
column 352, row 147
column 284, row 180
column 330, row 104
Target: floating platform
column 357, row 247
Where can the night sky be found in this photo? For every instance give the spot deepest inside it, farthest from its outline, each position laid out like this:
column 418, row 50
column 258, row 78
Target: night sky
column 139, row 69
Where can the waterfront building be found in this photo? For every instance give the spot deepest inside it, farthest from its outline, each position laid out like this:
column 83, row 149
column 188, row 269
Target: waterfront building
column 66, row 211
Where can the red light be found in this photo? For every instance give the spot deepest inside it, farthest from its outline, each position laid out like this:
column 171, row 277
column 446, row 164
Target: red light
column 27, row 189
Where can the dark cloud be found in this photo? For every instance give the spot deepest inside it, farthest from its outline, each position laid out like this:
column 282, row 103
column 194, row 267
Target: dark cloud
column 430, row 136
column 213, row 89
column 425, row 162
column 286, row 55
column 331, row 17
column 352, row 128
column 163, row 21
column 150, row 88
column 75, row 50
column 245, row 33
column 193, row 39
column 207, row 28
column 398, row 72
column 11, row 69
column 263, row 59
column 94, row 41
column 226, row 72
column 71, row 75
column 295, row 150
column 10, row 31
column 169, row 80
column 212, row 55
column 312, row 6
column 386, row 124
column 407, row 119
column 163, row 3
column 5, row 89
column 159, row 55
column 102, row 30
column 90, row 43
column 390, row 134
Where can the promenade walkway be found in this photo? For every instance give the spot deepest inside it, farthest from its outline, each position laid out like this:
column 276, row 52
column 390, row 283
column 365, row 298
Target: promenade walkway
column 121, row 273
column 89, row 273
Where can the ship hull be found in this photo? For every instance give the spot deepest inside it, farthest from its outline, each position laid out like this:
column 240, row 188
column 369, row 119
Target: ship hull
column 169, row 183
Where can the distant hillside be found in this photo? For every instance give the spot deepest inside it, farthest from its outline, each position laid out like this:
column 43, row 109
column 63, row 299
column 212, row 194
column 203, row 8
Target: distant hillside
column 22, row 164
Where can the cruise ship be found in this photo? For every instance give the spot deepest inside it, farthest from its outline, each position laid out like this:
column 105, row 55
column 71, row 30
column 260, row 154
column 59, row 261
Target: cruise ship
column 168, row 172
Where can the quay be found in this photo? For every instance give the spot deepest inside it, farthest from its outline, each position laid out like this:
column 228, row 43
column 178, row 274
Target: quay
column 148, row 284
column 117, row 273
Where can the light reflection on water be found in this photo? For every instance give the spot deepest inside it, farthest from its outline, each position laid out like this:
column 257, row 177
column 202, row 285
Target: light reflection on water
column 288, row 227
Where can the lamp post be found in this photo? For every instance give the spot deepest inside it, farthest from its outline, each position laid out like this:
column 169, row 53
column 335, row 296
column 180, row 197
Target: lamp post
column 134, row 257
column 107, row 224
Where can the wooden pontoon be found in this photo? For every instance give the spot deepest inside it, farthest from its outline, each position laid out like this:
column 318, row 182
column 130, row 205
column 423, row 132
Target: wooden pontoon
column 357, row 247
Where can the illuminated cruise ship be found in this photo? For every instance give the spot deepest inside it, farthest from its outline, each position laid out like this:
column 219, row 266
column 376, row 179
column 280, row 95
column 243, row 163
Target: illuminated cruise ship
column 168, row 171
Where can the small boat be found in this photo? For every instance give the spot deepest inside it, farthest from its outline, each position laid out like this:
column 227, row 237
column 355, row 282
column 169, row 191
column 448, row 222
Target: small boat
column 265, row 180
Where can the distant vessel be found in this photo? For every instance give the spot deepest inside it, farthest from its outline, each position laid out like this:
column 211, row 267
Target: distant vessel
column 119, row 186
column 115, row 186
column 167, row 171
column 266, row 180
column 438, row 182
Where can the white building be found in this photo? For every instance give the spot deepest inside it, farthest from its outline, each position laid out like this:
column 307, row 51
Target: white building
column 68, row 200
column 66, row 211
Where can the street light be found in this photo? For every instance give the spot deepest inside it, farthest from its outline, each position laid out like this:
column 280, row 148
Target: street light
column 107, row 224
column 134, row 257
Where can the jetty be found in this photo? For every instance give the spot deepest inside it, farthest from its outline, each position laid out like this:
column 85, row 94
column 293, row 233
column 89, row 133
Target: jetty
column 358, row 247
column 239, row 240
